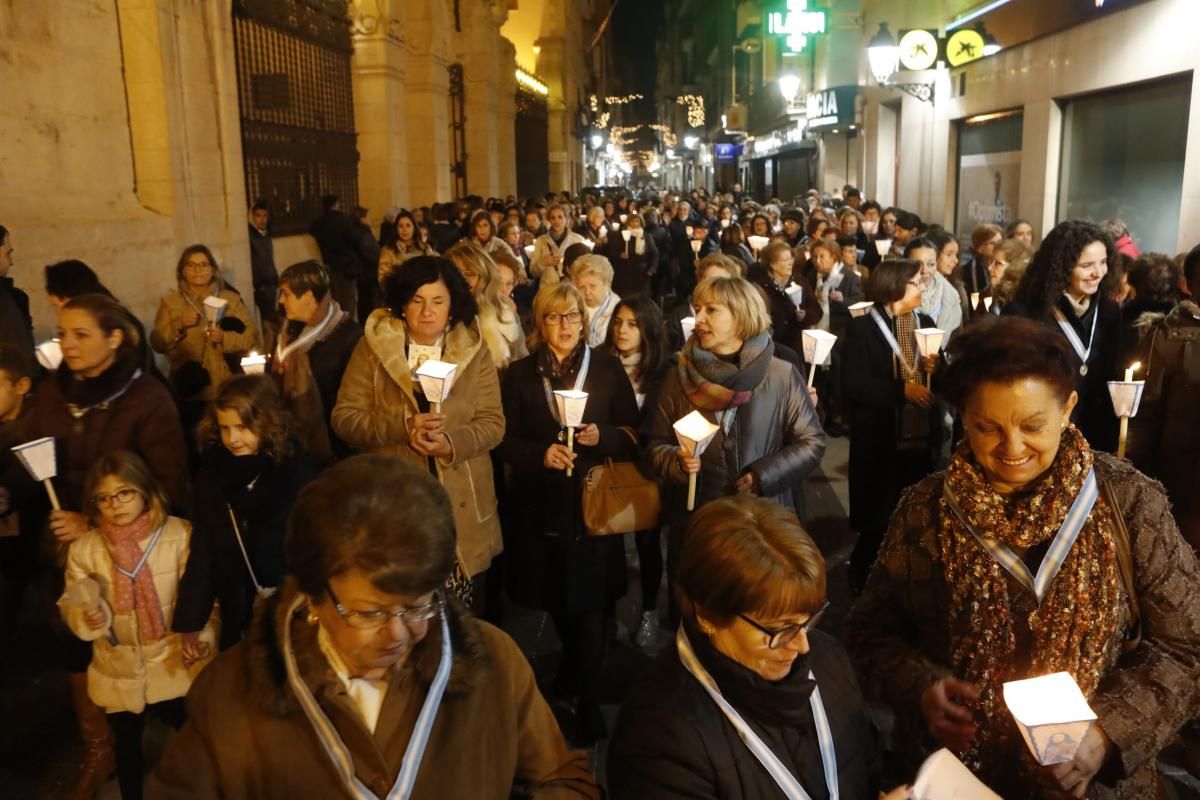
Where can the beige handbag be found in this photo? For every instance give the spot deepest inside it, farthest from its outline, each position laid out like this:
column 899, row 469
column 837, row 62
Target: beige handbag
column 619, row 498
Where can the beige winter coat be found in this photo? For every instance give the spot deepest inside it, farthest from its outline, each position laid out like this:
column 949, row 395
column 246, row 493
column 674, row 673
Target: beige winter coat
column 377, row 402
column 194, row 346
column 132, row 674
column 544, row 246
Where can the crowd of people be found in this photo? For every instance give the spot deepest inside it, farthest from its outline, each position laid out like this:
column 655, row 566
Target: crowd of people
column 318, row 551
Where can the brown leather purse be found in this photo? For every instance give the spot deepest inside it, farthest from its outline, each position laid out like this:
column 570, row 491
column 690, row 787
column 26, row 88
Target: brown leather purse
column 619, row 498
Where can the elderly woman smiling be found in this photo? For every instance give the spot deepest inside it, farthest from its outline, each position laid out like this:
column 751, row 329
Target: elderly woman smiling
column 361, row 677
column 952, row 609
column 749, row 701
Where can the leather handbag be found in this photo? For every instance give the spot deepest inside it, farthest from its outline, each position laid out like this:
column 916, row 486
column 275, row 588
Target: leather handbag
column 619, row 498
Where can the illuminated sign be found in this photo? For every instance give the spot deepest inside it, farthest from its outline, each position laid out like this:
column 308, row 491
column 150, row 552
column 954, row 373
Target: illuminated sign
column 831, row 107
column 777, row 140
column 964, row 45
column 726, row 152
column 797, row 24
column 918, row 49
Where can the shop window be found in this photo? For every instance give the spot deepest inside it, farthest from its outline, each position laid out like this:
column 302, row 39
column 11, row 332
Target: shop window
column 989, row 171
column 1122, row 157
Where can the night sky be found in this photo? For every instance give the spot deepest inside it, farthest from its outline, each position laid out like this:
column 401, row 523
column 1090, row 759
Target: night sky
column 635, row 26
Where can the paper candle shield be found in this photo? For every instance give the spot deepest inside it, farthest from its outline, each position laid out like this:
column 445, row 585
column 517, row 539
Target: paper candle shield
column 725, row 223
column 795, row 293
column 589, row 244
column 944, row 777
column 758, row 242
column 861, row 309
column 1126, row 396
column 1052, row 715
column 214, row 309
column 529, row 251
column 883, row 247
column 254, row 364
column 929, row 340
column 688, row 324
column 694, row 432
column 688, row 229
column 38, row 458
column 818, row 345
column 436, row 378
column 696, row 245
column 974, row 300
column 49, row 354
column 870, row 226
column 987, row 303
column 570, row 406
column 616, row 226
column 626, row 235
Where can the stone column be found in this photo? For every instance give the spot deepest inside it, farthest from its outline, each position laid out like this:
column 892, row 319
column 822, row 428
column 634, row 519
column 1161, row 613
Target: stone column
column 477, row 48
column 506, row 120
column 380, row 106
column 427, row 28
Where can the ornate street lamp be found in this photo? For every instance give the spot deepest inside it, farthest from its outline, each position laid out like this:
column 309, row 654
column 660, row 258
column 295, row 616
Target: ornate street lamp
column 883, row 53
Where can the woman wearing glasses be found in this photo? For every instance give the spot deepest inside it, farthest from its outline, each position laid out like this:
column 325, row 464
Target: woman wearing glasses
column 888, row 404
column 750, row 699
column 360, row 677
column 553, row 564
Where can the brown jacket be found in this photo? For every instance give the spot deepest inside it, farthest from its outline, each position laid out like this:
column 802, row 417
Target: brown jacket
column 376, row 404
column 897, row 634
column 247, row 737
column 194, row 346
column 1164, row 437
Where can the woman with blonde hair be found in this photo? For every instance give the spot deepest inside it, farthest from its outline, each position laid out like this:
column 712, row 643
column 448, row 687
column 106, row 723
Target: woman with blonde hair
column 1009, row 260
column 499, row 322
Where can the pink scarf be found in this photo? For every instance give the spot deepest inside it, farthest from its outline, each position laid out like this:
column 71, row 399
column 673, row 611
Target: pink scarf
column 138, row 593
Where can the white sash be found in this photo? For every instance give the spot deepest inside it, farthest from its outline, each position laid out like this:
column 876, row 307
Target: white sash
column 596, row 319
column 909, row 370
column 784, row 779
column 282, row 352
column 1061, row 545
column 336, row 749
column 1068, row 330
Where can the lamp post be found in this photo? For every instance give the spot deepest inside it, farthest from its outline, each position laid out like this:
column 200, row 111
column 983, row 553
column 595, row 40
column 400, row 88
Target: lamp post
column 883, row 53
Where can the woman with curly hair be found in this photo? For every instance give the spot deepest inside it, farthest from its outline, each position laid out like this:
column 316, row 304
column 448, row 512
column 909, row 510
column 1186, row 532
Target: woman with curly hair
column 952, row 610
column 251, row 469
column 1066, row 287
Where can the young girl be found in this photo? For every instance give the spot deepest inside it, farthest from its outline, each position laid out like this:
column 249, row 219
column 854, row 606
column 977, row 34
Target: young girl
column 250, row 472
column 121, row 594
column 637, row 336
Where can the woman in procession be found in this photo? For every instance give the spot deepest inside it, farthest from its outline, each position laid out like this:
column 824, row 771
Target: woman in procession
column 546, row 264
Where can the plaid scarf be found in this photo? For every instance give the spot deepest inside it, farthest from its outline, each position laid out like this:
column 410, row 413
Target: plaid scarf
column 1075, row 629
column 712, row 384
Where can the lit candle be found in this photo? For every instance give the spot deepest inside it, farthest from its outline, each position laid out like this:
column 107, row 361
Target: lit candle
column 1131, row 369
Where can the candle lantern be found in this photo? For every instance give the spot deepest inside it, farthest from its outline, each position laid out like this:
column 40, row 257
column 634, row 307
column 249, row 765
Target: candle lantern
column 974, row 300
column 589, row 244
column 795, row 293
column 818, row 344
column 870, row 226
column 254, row 364
column 436, row 378
column 1126, row 398
column 39, row 460
column 694, row 433
column 626, row 234
column 987, row 304
column 1052, row 715
column 758, row 242
column 688, row 324
column 883, row 247
column 570, row 406
column 929, row 342
column 861, row 309
column 214, row 309
column 696, row 245
column 623, row 217
column 689, row 230
column 49, row 354
column 944, row 777
column 529, row 251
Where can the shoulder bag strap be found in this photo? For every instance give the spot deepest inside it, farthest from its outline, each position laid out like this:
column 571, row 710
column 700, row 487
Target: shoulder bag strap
column 237, row 532
column 1122, row 544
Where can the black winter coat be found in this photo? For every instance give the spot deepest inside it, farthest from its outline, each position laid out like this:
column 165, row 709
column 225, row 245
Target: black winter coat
column 632, row 272
column 552, row 563
column 16, row 325
column 346, row 249
column 260, row 492
column 263, row 274
column 673, row 741
column 1094, row 414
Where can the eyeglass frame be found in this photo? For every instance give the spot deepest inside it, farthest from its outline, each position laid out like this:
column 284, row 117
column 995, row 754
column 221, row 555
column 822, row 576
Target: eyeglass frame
column 775, row 635
column 104, row 500
column 563, row 317
column 437, row 606
column 196, row 266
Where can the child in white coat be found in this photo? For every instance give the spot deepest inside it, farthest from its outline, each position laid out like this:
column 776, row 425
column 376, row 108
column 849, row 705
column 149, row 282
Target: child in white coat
column 121, row 584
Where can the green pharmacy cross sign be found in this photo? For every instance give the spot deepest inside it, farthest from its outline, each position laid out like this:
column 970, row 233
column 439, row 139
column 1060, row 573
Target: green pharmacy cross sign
column 797, row 24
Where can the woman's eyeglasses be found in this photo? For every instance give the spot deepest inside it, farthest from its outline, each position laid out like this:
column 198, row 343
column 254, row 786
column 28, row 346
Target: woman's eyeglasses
column 571, row 317
column 369, row 620
column 781, row 637
column 122, row 496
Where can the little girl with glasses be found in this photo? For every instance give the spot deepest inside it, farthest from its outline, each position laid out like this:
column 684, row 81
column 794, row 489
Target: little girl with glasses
column 121, row 586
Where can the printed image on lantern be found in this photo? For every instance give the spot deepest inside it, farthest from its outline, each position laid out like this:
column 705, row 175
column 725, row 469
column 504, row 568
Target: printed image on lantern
column 883, row 247
column 818, row 344
column 861, row 309
column 870, row 226
column 758, row 242
column 694, row 432
column 436, row 378
column 49, row 354
column 1052, row 715
column 696, row 245
column 1126, row 398
column 688, row 324
column 570, row 412
column 214, row 309
column 254, row 364
column 795, row 293
column 39, row 460
column 944, row 777
column 929, row 342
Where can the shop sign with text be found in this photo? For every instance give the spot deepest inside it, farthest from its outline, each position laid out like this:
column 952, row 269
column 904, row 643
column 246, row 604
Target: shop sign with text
column 831, row 108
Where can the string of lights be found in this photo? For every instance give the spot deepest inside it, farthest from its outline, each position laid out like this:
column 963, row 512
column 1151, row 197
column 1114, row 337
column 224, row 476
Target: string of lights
column 695, row 108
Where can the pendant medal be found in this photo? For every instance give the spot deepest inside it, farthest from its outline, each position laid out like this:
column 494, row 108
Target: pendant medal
column 1083, row 369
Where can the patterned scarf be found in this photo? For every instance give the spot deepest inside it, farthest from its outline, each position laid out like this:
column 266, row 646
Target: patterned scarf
column 1073, row 630
column 712, row 384
column 913, row 428
column 292, row 365
column 140, row 593
column 559, row 372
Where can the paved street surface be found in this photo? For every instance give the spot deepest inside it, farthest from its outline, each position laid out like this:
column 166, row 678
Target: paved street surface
column 39, row 745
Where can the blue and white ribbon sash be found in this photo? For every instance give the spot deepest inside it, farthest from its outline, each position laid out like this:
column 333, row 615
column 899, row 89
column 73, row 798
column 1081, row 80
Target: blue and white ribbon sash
column 1061, row 545
column 1068, row 330
column 784, row 779
column 132, row 574
column 336, row 749
column 909, row 369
